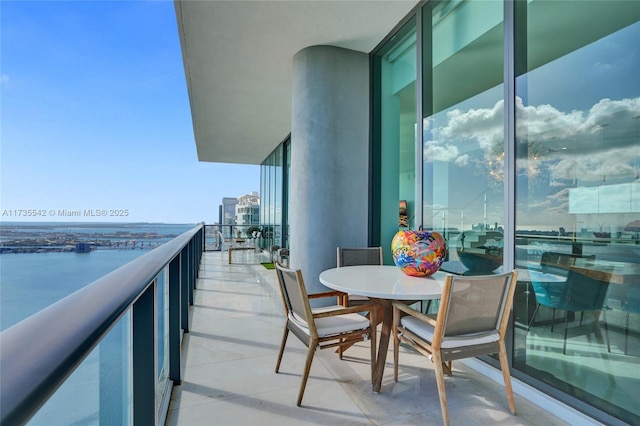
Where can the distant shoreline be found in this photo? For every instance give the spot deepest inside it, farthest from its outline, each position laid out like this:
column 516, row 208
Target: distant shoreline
column 62, row 224
column 84, row 237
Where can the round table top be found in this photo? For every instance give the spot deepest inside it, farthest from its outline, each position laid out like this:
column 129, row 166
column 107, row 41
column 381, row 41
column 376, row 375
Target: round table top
column 383, row 282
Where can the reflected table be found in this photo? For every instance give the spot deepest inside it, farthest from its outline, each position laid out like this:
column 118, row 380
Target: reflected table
column 383, row 284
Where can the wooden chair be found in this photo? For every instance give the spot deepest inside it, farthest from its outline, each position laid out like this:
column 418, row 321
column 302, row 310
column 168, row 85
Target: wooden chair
column 471, row 321
column 358, row 256
column 326, row 327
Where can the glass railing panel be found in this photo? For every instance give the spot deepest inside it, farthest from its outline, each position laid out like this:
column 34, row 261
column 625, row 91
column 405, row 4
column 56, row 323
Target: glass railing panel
column 162, row 332
column 99, row 391
column 87, row 384
column 212, row 238
column 221, row 237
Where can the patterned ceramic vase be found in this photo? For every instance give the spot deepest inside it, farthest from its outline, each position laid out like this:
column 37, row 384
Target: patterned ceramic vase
column 418, row 253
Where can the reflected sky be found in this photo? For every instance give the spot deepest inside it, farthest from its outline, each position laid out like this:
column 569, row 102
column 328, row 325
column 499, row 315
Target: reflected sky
column 577, row 125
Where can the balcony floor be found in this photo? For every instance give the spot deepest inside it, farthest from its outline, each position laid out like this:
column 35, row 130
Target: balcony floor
column 230, row 353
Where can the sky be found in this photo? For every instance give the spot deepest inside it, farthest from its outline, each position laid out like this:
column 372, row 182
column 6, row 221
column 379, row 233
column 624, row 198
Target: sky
column 578, row 122
column 95, row 117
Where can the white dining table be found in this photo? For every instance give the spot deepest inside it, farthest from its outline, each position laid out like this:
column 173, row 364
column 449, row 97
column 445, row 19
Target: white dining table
column 383, row 284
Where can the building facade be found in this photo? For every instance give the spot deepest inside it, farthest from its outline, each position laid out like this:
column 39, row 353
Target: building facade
column 511, row 127
column 228, row 211
column 248, row 209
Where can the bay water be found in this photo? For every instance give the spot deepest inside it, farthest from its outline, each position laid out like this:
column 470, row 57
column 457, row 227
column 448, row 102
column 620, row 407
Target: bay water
column 29, row 282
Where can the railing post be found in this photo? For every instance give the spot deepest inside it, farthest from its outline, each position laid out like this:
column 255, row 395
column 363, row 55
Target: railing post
column 184, row 290
column 194, row 261
column 190, row 272
column 201, row 248
column 175, row 329
column 144, row 358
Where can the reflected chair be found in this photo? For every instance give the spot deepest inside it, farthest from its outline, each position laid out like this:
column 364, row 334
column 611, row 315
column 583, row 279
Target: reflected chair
column 627, row 298
column 631, row 305
column 358, row 256
column 471, row 321
column 321, row 328
column 574, row 292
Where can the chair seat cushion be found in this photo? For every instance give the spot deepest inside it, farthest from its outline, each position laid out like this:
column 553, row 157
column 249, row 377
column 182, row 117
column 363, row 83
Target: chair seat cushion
column 425, row 331
column 332, row 325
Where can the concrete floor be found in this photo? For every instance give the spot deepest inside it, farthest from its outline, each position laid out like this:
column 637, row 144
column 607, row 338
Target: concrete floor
column 230, row 353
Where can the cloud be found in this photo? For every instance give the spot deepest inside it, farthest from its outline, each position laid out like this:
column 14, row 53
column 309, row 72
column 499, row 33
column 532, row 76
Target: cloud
column 593, row 168
column 603, row 66
column 483, row 124
column 4, row 80
column 436, row 152
column 588, row 145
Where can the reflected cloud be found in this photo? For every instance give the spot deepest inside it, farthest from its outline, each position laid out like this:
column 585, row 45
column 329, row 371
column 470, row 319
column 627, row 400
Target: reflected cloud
column 484, row 125
column 588, row 145
column 444, row 153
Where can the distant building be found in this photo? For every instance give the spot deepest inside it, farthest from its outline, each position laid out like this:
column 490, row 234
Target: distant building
column 83, row 247
column 248, row 209
column 228, row 211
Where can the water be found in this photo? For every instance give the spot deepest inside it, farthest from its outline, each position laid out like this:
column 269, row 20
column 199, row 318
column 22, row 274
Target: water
column 98, row 391
column 29, row 282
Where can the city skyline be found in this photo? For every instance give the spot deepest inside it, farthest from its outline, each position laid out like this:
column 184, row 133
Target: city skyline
column 96, row 118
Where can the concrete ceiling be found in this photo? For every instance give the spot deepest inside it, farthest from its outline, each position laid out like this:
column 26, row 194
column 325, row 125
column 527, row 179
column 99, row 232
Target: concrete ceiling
column 238, row 63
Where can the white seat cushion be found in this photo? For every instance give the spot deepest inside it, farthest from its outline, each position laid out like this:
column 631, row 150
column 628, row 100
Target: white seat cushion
column 332, row 325
column 425, row 331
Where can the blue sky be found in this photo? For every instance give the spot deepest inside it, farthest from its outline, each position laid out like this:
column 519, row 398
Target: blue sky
column 95, row 116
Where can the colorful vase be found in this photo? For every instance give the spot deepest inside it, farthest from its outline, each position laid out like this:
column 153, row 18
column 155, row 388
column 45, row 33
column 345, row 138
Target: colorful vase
column 418, row 253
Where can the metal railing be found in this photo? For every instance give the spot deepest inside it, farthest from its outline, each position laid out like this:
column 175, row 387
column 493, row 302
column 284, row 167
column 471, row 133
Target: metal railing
column 222, row 237
column 38, row 354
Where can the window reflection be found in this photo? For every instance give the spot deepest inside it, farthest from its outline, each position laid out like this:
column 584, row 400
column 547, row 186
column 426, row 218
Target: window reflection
column 578, row 211
column 273, row 198
column 576, row 179
column 463, row 133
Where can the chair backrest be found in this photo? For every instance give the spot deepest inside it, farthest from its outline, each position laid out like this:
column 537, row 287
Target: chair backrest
column 359, row 256
column 579, row 292
column 584, row 293
column 294, row 293
column 477, row 305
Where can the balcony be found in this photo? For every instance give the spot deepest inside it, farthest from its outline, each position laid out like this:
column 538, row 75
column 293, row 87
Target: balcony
column 213, row 360
column 229, row 357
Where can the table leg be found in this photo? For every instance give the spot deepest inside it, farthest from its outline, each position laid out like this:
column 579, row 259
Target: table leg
column 383, row 343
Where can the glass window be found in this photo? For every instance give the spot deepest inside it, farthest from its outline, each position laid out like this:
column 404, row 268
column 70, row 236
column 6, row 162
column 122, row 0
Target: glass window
column 463, row 131
column 273, row 202
column 578, row 200
column 277, row 205
column 396, row 70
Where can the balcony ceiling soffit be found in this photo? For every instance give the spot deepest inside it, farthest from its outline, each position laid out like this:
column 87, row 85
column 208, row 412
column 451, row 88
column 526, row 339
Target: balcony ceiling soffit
column 238, row 63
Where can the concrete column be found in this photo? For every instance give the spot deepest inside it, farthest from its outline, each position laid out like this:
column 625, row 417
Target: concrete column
column 329, row 158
